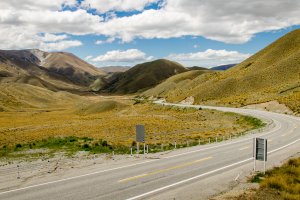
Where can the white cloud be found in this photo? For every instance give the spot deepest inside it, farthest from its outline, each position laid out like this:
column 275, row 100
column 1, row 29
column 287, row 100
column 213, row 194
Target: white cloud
column 104, row 6
column 35, row 24
column 230, row 22
column 48, row 37
column 22, row 24
column 36, row 5
column 108, row 40
column 59, row 46
column 87, row 58
column 209, row 57
column 129, row 56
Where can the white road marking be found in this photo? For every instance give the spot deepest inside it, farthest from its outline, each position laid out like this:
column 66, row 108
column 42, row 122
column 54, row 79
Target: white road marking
column 189, row 179
column 207, row 173
column 244, row 148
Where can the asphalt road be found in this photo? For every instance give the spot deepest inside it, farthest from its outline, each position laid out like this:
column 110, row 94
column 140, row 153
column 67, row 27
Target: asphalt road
column 154, row 178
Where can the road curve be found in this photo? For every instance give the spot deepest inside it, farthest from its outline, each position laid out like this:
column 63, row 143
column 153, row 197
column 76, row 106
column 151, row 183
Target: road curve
column 164, row 177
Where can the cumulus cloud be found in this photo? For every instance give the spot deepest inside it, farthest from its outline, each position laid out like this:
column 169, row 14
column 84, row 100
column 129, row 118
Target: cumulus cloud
column 48, row 37
column 35, row 24
column 87, row 58
column 21, row 24
column 104, row 6
column 108, row 40
column 59, row 46
column 129, row 56
column 230, row 22
column 209, row 57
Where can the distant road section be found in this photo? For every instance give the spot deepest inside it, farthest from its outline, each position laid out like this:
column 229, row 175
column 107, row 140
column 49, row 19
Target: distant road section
column 194, row 173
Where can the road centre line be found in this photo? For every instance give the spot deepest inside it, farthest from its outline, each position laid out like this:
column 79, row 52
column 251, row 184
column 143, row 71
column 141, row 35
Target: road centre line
column 207, row 173
column 164, row 170
column 241, row 149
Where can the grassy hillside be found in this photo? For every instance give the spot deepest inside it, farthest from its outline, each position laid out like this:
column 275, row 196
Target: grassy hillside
column 144, row 76
column 23, row 97
column 177, row 81
column 271, row 74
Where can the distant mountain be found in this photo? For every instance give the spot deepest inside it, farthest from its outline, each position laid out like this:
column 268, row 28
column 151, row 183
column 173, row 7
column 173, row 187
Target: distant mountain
column 271, row 74
column 177, row 81
column 223, row 67
column 143, row 76
column 197, row 68
column 114, row 69
column 54, row 71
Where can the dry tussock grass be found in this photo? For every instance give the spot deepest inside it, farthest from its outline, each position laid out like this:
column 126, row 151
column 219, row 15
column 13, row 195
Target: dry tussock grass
column 117, row 125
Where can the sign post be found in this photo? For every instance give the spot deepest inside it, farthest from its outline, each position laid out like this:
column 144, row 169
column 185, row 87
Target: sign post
column 260, row 149
column 140, row 136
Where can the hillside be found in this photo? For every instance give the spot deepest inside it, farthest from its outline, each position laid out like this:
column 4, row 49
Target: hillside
column 114, row 69
column 223, row 67
column 177, row 81
column 271, row 74
column 143, row 76
column 54, row 71
column 73, row 68
column 197, row 68
column 23, row 97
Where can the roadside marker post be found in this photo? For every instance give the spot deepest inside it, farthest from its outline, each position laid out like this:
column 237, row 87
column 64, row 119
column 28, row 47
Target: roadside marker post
column 140, row 136
column 18, row 172
column 147, row 149
column 260, row 151
column 131, row 151
column 175, row 145
column 216, row 139
column 144, row 148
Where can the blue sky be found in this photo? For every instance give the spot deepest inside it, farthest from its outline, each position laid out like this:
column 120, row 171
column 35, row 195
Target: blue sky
column 127, row 32
column 161, row 48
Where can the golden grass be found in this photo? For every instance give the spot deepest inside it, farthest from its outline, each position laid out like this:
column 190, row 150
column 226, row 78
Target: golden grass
column 285, row 179
column 117, row 125
column 280, row 183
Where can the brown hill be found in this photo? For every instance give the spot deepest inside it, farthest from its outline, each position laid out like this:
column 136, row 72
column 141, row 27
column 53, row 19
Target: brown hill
column 55, row 71
column 143, row 76
column 73, row 68
column 271, row 74
column 115, row 69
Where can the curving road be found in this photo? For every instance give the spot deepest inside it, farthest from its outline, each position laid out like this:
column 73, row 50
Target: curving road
column 193, row 173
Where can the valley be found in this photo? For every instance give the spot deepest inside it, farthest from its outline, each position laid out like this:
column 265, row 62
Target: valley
column 62, row 119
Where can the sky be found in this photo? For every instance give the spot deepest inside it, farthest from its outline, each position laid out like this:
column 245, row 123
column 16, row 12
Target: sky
column 204, row 33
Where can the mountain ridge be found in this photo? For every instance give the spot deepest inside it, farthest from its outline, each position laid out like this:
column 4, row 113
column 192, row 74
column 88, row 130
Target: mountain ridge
column 271, row 74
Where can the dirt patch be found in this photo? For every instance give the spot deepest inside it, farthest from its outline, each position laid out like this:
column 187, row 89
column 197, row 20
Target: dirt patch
column 188, row 101
column 273, row 106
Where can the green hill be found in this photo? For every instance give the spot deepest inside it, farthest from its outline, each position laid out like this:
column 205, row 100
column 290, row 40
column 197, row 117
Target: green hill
column 271, row 74
column 143, row 76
